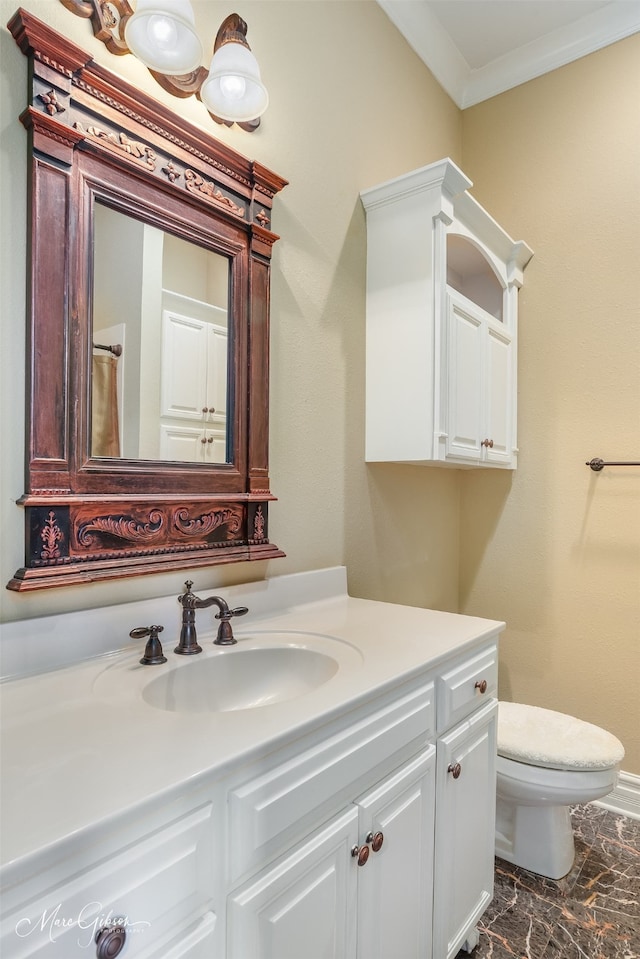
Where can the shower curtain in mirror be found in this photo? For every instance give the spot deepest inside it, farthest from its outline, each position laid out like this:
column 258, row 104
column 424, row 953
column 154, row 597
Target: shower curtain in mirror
column 105, row 438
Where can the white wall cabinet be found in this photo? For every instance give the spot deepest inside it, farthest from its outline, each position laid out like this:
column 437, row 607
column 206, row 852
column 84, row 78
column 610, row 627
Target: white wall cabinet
column 264, row 860
column 442, row 315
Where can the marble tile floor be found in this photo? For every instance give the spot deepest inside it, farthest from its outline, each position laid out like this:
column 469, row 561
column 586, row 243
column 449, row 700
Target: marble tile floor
column 592, row 913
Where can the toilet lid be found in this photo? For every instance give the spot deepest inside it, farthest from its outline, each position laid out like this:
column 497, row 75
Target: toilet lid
column 542, row 737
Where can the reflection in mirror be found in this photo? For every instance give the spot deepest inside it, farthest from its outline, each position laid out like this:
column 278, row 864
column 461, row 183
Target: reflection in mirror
column 160, row 345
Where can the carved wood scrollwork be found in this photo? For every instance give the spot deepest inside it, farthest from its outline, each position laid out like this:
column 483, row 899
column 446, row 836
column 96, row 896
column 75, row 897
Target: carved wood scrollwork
column 94, row 138
column 120, row 141
column 197, row 184
column 126, row 528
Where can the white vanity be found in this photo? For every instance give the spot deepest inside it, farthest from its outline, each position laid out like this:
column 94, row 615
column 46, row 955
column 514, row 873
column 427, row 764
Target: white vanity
column 343, row 808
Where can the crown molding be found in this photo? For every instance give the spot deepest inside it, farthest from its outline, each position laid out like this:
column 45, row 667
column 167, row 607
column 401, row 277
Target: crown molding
column 467, row 87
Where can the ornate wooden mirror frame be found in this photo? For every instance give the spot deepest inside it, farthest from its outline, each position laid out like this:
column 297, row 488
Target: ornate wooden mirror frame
column 93, row 136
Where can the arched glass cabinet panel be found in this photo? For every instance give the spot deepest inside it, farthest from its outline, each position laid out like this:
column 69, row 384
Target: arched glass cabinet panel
column 148, row 331
column 471, row 273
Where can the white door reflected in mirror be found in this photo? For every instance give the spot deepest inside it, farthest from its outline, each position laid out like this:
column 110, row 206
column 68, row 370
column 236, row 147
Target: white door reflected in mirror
column 168, row 400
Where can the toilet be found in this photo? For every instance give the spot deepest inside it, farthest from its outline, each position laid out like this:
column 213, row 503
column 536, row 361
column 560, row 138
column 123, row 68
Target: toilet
column 547, row 762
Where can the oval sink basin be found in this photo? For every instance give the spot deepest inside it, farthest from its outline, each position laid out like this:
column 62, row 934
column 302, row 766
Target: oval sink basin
column 240, row 679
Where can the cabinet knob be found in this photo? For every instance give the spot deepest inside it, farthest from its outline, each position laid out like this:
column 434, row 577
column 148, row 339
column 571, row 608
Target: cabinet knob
column 376, row 840
column 205, row 409
column 361, row 853
column 482, row 686
column 487, row 443
column 455, row 769
column 110, row 941
column 212, row 409
column 203, row 440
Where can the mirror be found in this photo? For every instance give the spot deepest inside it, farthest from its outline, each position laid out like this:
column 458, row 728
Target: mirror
column 160, row 345
column 148, row 331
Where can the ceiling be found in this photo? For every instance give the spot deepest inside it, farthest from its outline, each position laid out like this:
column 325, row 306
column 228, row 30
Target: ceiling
column 479, row 48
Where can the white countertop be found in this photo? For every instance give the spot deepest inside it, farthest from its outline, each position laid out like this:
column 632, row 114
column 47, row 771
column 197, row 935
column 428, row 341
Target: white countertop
column 80, row 745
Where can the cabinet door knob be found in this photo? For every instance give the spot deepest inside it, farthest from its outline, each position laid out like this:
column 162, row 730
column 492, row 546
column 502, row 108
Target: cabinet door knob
column 487, row 443
column 110, row 941
column 482, row 686
column 361, row 853
column 455, row 769
column 376, row 840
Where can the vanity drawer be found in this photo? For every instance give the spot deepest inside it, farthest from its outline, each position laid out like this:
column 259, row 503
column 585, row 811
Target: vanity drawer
column 271, row 812
column 158, row 888
column 466, row 686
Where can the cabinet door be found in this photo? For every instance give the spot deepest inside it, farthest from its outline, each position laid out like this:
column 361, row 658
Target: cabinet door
column 185, row 348
column 464, row 377
column 159, row 886
column 499, row 395
column 303, row 907
column 480, row 406
column 186, row 444
column 395, row 885
column 465, row 829
column 216, row 396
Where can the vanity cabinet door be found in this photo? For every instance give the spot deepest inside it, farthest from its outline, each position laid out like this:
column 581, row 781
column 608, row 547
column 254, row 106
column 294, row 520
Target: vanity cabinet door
column 395, row 886
column 324, row 901
column 159, row 887
column 305, row 904
column 465, row 830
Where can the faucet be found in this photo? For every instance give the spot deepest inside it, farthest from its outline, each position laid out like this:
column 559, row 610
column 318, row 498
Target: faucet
column 188, row 644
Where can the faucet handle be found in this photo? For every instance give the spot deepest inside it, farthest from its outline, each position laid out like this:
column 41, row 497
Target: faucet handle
column 153, row 654
column 228, row 613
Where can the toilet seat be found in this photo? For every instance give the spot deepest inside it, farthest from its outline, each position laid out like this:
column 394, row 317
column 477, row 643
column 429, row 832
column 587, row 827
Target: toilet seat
column 541, row 785
column 542, row 737
column 547, row 761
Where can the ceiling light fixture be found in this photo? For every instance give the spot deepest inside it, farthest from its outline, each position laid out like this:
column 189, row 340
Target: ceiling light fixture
column 162, row 35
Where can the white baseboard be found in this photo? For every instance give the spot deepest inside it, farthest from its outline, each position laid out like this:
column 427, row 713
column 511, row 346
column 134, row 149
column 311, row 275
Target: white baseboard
column 625, row 798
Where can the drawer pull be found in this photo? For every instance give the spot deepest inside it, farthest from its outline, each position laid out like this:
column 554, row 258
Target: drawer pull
column 455, row 769
column 361, row 853
column 376, row 840
column 110, row 941
column 482, row 686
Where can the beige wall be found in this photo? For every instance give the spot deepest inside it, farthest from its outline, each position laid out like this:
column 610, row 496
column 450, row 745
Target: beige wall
column 555, row 549
column 551, row 549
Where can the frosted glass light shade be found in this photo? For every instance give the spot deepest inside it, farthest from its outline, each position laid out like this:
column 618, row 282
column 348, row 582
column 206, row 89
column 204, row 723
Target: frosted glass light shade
column 233, row 90
column 162, row 35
